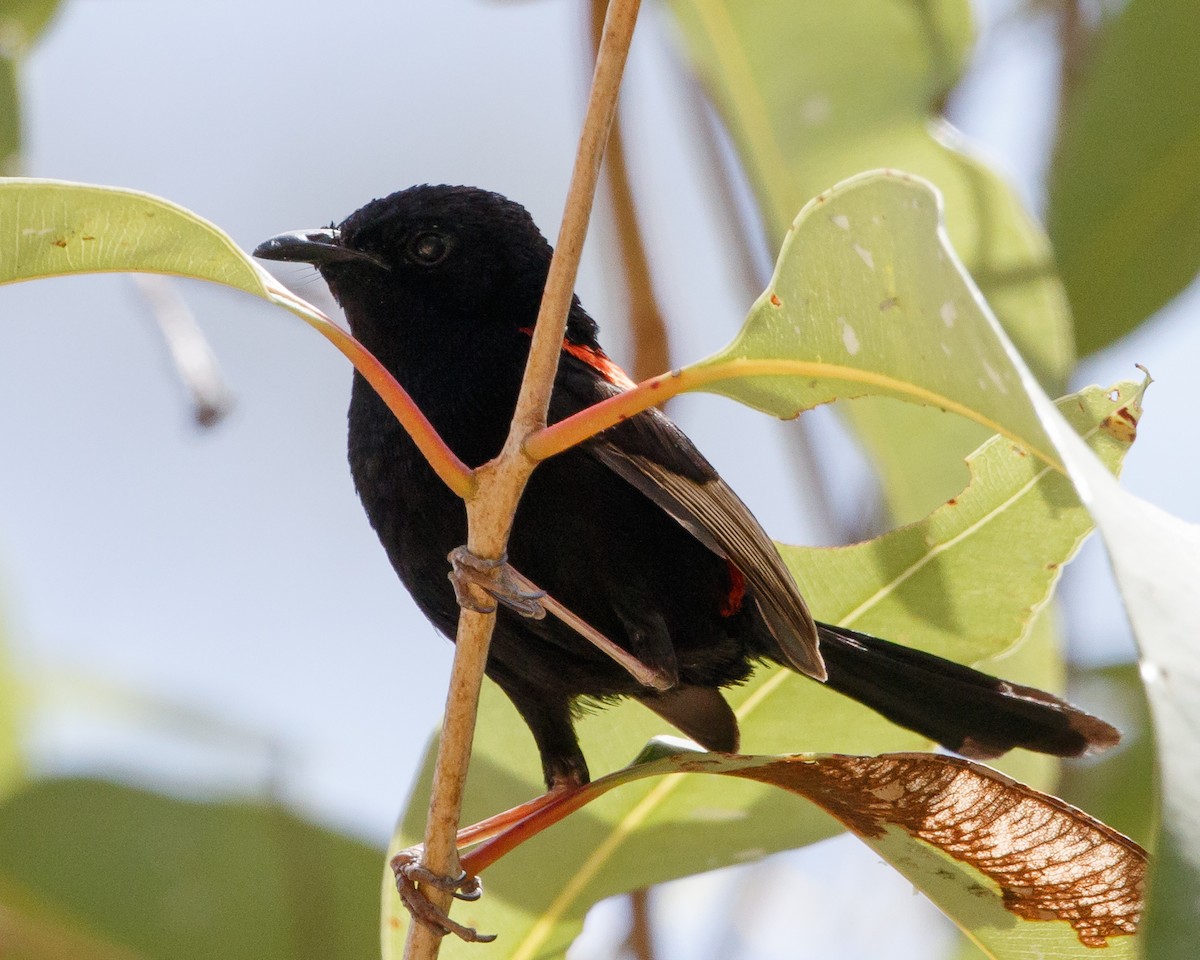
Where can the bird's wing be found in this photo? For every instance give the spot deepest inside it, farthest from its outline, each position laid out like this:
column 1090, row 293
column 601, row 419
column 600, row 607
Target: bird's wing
column 655, row 456
column 714, row 514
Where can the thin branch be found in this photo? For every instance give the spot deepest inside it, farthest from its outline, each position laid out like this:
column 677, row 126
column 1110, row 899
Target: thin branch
column 190, row 353
column 1074, row 40
column 640, row 941
column 651, row 346
column 651, row 355
column 499, row 483
column 445, row 463
column 564, row 434
column 649, row 393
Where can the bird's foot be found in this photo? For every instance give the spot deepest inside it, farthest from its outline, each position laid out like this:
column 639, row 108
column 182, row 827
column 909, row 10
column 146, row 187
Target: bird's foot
column 495, row 578
column 410, row 871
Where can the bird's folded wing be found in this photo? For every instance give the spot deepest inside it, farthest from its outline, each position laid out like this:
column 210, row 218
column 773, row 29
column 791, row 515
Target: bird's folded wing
column 714, row 514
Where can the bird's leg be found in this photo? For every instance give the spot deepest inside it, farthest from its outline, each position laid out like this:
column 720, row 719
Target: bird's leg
column 512, row 588
column 410, row 871
column 495, row 578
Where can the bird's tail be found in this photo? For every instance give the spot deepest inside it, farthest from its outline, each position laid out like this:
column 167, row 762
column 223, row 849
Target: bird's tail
column 966, row 711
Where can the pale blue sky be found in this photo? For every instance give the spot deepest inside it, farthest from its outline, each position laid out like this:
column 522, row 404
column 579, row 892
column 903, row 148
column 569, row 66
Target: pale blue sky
column 231, row 574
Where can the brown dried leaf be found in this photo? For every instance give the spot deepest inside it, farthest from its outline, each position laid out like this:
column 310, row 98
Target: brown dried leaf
column 1050, row 860
column 994, row 854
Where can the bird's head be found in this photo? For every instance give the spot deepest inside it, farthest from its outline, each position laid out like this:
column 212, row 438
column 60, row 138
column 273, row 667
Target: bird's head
column 429, row 258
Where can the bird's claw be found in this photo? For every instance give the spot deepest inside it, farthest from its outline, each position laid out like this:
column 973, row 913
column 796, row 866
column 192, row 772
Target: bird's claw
column 495, row 578
column 410, row 871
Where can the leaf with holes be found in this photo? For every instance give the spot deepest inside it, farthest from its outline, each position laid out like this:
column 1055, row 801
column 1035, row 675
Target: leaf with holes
column 1024, row 874
column 814, row 92
column 869, row 299
column 984, row 599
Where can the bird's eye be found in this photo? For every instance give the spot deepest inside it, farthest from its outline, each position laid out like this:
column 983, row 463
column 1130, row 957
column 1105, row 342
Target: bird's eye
column 428, row 248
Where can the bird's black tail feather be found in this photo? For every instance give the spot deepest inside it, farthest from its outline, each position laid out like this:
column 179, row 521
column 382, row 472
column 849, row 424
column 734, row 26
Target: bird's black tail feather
column 966, row 711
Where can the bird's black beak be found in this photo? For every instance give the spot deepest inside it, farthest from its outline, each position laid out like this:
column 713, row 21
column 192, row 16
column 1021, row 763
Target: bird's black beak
column 317, row 247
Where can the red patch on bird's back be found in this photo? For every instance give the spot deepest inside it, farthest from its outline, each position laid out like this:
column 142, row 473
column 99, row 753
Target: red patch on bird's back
column 598, row 360
column 736, row 596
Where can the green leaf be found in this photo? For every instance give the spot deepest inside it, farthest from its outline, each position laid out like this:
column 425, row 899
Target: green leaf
column 1125, row 184
column 647, row 833
column 12, row 762
column 54, row 228
column 868, row 298
column 1155, row 557
column 137, row 874
column 1023, row 873
column 813, row 92
column 1118, row 786
column 988, row 559
column 21, row 21
column 10, row 118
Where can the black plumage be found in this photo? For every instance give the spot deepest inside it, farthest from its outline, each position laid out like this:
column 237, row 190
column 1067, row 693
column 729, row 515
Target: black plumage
column 633, row 530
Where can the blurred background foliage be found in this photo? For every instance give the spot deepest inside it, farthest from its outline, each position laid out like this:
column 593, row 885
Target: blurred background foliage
column 788, row 97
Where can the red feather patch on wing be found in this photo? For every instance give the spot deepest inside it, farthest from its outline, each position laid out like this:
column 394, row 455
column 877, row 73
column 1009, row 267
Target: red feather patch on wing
column 598, row 360
column 737, row 592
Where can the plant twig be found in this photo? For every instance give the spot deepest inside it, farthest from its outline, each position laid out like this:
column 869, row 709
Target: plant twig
column 640, row 941
column 649, row 393
column 651, row 346
column 190, row 353
column 1074, row 41
column 445, row 463
column 499, row 484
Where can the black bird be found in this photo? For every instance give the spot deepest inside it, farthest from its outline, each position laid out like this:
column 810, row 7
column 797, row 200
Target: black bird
column 633, row 530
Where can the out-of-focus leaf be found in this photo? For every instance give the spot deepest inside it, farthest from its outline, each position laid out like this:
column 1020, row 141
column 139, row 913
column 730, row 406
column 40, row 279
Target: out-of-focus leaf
column 813, row 92
column 12, row 765
column 1125, row 184
column 10, row 119
column 1118, row 786
column 20, row 23
column 146, row 876
column 1025, row 874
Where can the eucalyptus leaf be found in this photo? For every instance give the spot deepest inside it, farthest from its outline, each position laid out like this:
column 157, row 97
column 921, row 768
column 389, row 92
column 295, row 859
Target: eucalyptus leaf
column 1156, row 558
column 12, row 762
column 21, row 22
column 931, row 578
column 650, row 832
column 869, row 298
column 1024, row 874
column 1125, row 183
column 813, row 92
column 112, row 871
column 56, row 228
